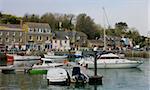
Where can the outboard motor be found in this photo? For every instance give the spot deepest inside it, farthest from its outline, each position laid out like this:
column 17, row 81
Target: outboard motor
column 78, row 76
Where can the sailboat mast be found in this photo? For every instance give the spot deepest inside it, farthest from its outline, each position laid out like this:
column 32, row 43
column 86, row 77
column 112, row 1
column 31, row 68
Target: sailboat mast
column 104, row 29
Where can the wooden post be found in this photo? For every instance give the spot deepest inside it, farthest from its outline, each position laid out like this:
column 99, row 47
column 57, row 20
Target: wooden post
column 95, row 63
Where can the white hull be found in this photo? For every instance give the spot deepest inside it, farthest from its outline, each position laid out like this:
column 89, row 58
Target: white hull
column 55, row 57
column 24, row 63
column 19, row 58
column 46, row 66
column 110, row 61
column 24, row 60
column 113, row 65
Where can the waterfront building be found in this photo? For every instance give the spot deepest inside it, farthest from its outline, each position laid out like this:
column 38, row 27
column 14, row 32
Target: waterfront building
column 38, row 36
column 65, row 40
column 12, row 36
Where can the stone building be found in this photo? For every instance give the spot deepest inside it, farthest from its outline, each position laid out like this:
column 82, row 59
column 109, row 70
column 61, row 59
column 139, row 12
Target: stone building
column 12, row 36
column 38, row 35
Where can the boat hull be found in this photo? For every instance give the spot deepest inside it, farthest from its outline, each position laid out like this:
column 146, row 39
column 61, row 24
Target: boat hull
column 55, row 57
column 113, row 65
column 63, row 82
column 35, row 72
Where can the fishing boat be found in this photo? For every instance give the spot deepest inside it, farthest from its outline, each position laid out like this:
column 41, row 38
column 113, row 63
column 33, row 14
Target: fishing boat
column 110, row 60
column 43, row 66
column 58, row 76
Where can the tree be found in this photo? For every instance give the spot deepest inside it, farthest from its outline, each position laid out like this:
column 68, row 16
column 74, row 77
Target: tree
column 67, row 22
column 120, row 28
column 50, row 19
column 85, row 24
column 31, row 18
column 6, row 18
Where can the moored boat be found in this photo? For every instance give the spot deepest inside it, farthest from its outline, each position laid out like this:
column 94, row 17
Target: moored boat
column 110, row 60
column 58, row 76
column 23, row 60
column 43, row 66
column 54, row 56
column 51, row 55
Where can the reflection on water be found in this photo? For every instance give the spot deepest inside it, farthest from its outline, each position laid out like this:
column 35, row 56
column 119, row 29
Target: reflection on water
column 113, row 79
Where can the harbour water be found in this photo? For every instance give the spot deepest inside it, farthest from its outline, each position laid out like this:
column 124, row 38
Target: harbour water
column 113, row 79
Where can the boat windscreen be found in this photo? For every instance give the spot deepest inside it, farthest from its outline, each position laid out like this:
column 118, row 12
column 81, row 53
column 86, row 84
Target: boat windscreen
column 109, row 57
column 48, row 61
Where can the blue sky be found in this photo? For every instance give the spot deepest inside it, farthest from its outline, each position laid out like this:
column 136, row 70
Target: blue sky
column 133, row 12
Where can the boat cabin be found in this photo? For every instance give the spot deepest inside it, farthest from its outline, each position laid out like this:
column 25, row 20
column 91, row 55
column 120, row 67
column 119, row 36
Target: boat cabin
column 109, row 56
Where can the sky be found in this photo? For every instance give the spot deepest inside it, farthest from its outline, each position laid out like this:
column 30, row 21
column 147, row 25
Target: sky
column 134, row 12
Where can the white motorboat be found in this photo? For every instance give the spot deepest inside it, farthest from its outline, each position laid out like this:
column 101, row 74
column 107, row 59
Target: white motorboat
column 110, row 60
column 43, row 66
column 51, row 55
column 58, row 76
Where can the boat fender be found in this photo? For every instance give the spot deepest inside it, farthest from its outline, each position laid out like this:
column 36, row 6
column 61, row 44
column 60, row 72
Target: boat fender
column 86, row 66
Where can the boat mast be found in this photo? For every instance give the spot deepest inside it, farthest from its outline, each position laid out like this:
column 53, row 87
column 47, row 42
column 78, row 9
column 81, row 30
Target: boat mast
column 105, row 20
column 104, row 29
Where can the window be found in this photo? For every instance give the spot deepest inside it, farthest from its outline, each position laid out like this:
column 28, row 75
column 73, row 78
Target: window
column 0, row 39
column 7, row 40
column 30, row 38
column 20, row 33
column 20, row 40
column 40, row 38
column 14, row 40
column 44, row 31
column 47, row 38
column 39, row 30
column 37, row 38
column 35, row 30
column 7, row 33
column 65, row 41
column 55, row 41
column 31, row 30
column 14, row 33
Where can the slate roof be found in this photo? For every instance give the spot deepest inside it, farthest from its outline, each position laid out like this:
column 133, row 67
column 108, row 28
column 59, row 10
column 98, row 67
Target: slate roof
column 37, row 25
column 68, row 34
column 10, row 27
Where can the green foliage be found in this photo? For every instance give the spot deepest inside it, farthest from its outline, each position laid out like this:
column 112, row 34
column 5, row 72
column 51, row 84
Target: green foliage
column 9, row 19
column 85, row 24
column 50, row 19
column 31, row 18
